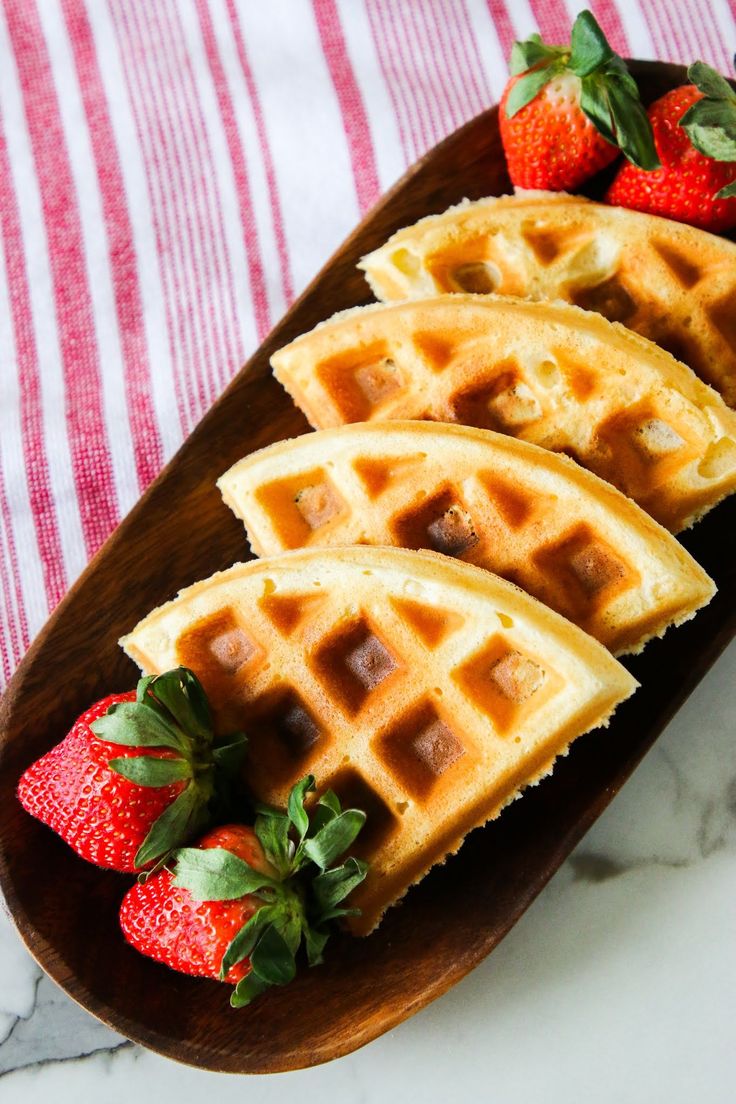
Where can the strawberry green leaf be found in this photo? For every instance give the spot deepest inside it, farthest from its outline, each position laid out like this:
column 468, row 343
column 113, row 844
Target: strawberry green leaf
column 247, row 989
column 289, row 926
column 242, row 944
column 263, row 809
column 142, row 688
column 334, row 838
column 713, row 141
column 181, row 693
column 215, row 874
column 710, row 83
column 727, row 191
column 186, row 816
column 329, row 800
column 711, row 128
column 633, row 130
column 333, row 886
column 530, row 53
column 619, row 117
column 616, row 69
column 272, row 830
column 326, row 809
column 147, row 770
column 131, row 724
column 595, row 105
column 338, row 913
column 271, row 959
column 296, row 810
column 590, row 49
column 228, row 751
column 710, row 123
column 315, row 941
column 527, row 88
column 711, row 114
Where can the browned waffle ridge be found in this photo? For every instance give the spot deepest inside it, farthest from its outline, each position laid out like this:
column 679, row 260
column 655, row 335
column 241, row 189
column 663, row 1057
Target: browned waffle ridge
column 549, row 373
column 525, row 513
column 431, row 729
column 668, row 281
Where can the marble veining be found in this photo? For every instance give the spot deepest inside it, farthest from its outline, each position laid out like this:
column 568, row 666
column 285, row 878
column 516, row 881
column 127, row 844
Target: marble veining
column 38, row 1022
column 618, row 983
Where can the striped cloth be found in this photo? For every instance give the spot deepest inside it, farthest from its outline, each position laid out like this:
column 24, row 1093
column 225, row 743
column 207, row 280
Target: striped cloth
column 172, row 173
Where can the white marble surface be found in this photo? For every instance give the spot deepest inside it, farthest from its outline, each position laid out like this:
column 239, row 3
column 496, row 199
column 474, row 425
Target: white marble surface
column 618, row 985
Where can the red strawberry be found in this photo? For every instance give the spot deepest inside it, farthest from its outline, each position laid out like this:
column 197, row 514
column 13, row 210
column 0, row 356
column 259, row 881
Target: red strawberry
column 693, row 126
column 568, row 110
column 99, row 813
column 134, row 776
column 162, row 919
column 237, row 906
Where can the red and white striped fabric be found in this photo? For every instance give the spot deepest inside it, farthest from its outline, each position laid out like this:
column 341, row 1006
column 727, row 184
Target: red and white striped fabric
column 172, row 173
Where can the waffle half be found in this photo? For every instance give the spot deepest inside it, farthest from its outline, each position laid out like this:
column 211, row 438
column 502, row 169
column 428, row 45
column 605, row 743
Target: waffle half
column 670, row 282
column 527, row 514
column 549, row 373
column 425, row 691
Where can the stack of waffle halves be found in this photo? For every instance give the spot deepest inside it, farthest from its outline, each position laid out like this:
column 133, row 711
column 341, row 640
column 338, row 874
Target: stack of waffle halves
column 484, row 518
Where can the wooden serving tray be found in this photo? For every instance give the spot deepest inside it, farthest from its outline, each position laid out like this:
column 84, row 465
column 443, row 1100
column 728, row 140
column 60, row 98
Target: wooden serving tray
column 180, row 531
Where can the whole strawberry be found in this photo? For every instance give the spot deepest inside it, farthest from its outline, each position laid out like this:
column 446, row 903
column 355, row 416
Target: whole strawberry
column 136, row 774
column 237, row 906
column 568, row 110
column 695, row 133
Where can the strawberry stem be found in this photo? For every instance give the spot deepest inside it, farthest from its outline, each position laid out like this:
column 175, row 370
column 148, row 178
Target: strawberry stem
column 171, row 711
column 609, row 96
column 300, row 903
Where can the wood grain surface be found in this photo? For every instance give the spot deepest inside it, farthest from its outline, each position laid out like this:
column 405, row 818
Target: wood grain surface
column 180, row 531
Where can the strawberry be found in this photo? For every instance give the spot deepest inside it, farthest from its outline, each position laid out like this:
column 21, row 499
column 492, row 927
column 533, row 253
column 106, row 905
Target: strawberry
column 568, row 110
column 695, row 133
column 237, row 906
column 135, row 776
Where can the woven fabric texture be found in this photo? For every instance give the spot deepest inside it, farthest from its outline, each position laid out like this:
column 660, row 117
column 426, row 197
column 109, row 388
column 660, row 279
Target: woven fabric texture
column 172, row 174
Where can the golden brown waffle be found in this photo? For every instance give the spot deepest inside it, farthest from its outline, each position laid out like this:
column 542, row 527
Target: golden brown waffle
column 548, row 373
column 425, row 691
column 670, row 282
column 534, row 517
